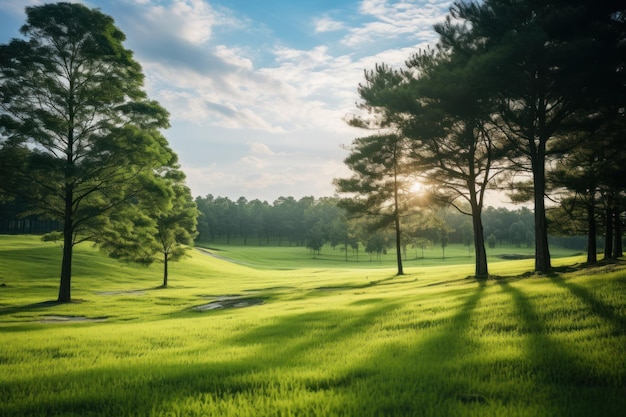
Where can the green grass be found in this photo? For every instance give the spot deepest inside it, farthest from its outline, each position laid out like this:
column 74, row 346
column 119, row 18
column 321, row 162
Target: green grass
column 293, row 257
column 329, row 340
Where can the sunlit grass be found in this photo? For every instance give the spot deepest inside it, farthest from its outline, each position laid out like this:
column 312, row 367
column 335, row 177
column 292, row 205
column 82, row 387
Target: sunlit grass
column 325, row 342
column 297, row 257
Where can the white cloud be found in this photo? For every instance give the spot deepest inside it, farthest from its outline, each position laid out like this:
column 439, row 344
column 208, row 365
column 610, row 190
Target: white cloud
column 283, row 120
column 192, row 20
column 327, row 24
column 395, row 19
column 257, row 148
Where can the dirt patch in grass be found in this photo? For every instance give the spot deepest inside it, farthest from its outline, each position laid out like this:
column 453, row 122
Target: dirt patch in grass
column 515, row 256
column 70, row 319
column 129, row 292
column 229, row 301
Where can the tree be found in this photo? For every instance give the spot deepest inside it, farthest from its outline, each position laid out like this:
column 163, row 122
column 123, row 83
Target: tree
column 315, row 239
column 491, row 240
column 78, row 129
column 379, row 184
column 547, row 62
column 176, row 227
column 440, row 104
column 450, row 120
column 442, row 229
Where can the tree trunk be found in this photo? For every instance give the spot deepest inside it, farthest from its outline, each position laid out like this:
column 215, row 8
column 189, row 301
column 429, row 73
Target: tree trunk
column 608, row 235
column 65, row 286
column 542, row 250
column 398, row 246
column 617, row 235
column 592, row 250
column 396, row 215
column 481, row 270
column 165, row 259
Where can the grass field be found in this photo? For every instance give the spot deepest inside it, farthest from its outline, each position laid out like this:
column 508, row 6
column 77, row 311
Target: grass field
column 308, row 337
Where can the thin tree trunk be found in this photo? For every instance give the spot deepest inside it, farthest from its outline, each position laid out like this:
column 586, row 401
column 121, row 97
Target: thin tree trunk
column 617, row 245
column 65, row 285
column 396, row 215
column 608, row 235
column 165, row 273
column 398, row 246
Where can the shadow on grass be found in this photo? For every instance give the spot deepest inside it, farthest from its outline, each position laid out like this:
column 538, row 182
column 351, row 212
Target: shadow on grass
column 564, row 381
column 412, row 376
column 29, row 308
column 154, row 389
column 392, row 280
column 598, row 307
column 294, row 335
column 274, row 371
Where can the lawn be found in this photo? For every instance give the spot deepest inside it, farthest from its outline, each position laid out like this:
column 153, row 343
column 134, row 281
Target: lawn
column 297, row 257
column 322, row 339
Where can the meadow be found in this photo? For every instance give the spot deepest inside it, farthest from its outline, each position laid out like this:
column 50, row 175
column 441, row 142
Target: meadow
column 276, row 332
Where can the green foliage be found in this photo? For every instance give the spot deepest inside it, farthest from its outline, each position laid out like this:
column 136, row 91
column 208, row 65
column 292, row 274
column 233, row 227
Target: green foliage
column 150, row 229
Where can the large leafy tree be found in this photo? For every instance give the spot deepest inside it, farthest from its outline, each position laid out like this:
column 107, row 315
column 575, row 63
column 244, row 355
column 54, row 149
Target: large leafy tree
column 548, row 62
column 450, row 121
column 80, row 136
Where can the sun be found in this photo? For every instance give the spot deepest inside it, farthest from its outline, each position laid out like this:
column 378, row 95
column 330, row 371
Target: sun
column 416, row 188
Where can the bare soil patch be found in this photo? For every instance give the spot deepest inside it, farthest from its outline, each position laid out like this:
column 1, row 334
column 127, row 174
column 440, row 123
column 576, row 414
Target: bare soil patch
column 128, row 292
column 229, row 301
column 70, row 319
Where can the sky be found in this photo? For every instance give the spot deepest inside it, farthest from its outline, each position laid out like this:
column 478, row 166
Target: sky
column 259, row 90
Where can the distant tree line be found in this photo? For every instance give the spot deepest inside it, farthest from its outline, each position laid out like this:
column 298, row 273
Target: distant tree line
column 312, row 223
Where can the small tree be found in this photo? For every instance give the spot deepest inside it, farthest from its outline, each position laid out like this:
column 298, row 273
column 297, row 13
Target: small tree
column 491, row 241
column 315, row 240
column 379, row 183
column 150, row 232
column 176, row 228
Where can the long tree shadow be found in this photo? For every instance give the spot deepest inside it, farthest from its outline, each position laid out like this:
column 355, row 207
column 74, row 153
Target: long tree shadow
column 560, row 375
column 412, row 375
column 598, row 307
column 28, row 308
column 289, row 339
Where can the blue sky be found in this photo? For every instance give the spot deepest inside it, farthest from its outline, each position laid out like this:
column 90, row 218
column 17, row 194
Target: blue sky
column 258, row 90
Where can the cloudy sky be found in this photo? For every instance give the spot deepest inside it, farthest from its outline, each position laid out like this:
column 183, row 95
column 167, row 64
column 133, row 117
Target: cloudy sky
column 258, row 90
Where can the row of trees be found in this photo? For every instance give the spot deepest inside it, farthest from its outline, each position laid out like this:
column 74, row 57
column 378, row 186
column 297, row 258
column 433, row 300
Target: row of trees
column 311, row 222
column 524, row 93
column 81, row 143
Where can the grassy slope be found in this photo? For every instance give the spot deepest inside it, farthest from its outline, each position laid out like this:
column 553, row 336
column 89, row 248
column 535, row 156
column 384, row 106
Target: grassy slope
column 327, row 341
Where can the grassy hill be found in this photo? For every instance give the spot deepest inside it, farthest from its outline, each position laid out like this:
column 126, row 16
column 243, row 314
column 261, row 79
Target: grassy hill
column 278, row 333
